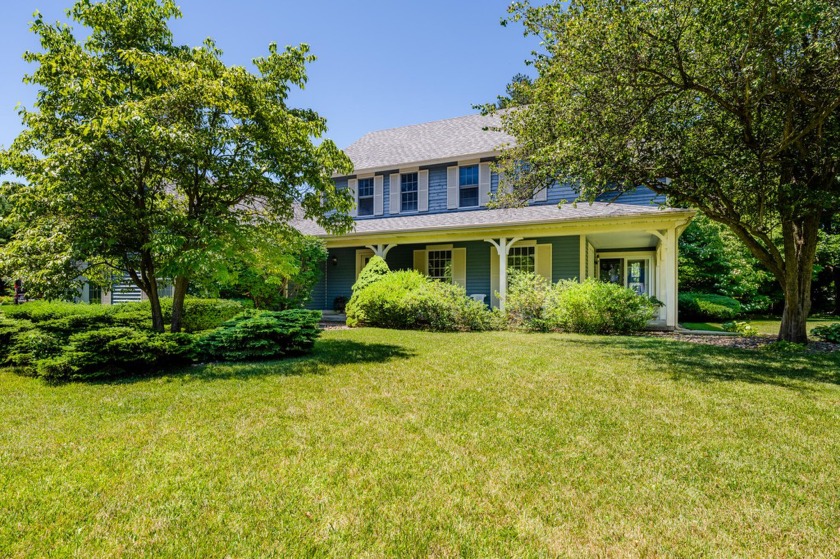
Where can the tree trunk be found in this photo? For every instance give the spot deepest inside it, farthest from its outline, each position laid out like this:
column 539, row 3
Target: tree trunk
column 147, row 282
column 800, row 244
column 180, row 292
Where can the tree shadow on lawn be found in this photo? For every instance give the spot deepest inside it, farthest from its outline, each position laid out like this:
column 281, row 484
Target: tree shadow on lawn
column 326, row 354
column 707, row 363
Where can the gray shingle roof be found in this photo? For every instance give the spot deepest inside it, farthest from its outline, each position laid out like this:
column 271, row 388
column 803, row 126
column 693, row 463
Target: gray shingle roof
column 451, row 139
column 530, row 215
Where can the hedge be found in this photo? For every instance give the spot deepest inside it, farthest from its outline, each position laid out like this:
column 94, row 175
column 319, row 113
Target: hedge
column 708, row 307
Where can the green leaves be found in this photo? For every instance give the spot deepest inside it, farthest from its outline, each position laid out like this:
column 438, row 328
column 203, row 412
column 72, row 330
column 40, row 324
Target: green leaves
column 157, row 159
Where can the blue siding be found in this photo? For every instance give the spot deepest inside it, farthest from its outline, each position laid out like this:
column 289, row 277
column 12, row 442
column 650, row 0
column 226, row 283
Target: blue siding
column 318, row 299
column 565, row 257
column 341, row 277
column 557, row 193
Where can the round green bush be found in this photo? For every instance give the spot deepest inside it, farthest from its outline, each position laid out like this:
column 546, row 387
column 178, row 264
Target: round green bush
column 708, row 307
column 409, row 300
column 597, row 307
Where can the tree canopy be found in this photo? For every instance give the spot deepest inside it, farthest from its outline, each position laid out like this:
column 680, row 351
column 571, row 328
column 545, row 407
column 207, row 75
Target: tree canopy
column 155, row 159
column 729, row 107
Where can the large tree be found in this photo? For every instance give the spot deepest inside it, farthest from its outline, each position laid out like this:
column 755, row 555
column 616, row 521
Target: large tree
column 158, row 158
column 729, row 107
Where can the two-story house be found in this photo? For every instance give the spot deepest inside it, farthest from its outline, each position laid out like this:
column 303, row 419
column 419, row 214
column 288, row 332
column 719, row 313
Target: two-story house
column 421, row 197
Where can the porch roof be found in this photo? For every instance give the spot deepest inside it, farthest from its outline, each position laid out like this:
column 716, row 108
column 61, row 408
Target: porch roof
column 483, row 218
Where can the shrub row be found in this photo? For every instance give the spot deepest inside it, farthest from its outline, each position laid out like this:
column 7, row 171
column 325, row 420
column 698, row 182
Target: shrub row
column 409, row 300
column 830, row 333
column 68, row 318
column 63, row 341
column 708, row 307
column 590, row 307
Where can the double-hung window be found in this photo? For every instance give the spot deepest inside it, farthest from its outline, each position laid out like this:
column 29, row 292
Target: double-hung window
column 468, row 186
column 365, row 196
column 439, row 266
column 408, row 192
column 522, row 259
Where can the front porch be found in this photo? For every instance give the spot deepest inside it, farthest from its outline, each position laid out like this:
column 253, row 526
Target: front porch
column 639, row 254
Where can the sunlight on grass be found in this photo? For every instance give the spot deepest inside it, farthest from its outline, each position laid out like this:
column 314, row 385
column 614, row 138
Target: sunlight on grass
column 419, row 444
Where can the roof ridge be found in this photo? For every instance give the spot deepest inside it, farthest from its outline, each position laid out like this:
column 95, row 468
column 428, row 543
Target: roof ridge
column 419, row 124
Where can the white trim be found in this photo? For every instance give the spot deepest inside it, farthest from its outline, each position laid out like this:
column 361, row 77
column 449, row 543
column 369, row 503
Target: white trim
column 647, row 255
column 427, row 162
column 415, row 169
column 582, row 249
column 469, row 162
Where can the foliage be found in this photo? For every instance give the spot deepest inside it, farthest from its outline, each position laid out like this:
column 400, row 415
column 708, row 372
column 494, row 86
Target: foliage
column 830, row 333
column 740, row 327
column 158, row 160
column 65, row 319
column 409, row 300
column 115, row 351
column 591, row 307
column 736, row 104
column 529, row 301
column 713, row 260
column 597, row 307
column 374, row 271
column 276, row 273
column 784, row 347
column 260, row 335
column 704, row 306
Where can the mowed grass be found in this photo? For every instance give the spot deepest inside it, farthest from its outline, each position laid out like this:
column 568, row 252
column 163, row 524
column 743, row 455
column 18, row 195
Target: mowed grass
column 764, row 326
column 406, row 444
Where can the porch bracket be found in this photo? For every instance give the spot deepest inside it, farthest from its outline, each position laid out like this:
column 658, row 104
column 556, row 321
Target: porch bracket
column 381, row 250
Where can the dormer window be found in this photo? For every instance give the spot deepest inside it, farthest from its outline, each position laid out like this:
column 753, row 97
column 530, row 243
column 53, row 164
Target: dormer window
column 408, row 192
column 365, row 197
column 468, row 186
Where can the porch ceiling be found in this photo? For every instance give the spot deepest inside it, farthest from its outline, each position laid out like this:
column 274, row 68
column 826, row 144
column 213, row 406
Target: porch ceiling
column 622, row 240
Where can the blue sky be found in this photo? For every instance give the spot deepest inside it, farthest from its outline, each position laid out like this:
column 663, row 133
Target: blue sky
column 381, row 64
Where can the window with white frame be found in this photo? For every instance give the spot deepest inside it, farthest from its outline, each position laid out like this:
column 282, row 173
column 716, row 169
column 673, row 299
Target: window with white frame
column 408, row 192
column 468, row 186
column 365, row 189
column 439, row 265
column 522, row 259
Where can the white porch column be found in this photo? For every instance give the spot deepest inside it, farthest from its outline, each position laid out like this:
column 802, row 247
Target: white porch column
column 502, row 249
column 381, row 250
column 670, row 264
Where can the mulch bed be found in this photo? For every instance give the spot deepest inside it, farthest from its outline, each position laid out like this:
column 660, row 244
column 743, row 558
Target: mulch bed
column 740, row 342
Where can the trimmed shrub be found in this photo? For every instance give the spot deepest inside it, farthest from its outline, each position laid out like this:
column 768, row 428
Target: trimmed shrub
column 409, row 300
column 261, row 335
column 30, row 346
column 708, row 307
column 830, row 333
column 597, row 307
column 375, row 270
column 9, row 331
column 115, row 351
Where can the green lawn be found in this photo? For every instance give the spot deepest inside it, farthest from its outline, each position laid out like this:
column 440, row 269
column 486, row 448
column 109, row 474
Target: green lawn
column 769, row 327
column 417, row 444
